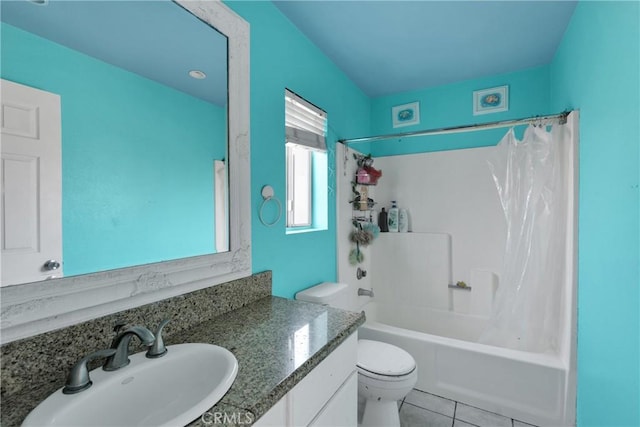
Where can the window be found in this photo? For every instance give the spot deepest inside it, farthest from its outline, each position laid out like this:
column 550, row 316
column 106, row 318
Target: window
column 306, row 151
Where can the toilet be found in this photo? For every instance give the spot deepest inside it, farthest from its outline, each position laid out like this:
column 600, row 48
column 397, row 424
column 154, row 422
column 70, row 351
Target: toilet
column 386, row 373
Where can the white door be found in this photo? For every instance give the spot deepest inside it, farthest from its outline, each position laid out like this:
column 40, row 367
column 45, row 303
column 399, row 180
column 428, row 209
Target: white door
column 31, row 171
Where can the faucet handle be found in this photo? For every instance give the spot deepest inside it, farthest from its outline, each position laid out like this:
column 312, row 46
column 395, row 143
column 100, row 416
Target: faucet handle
column 78, row 379
column 158, row 348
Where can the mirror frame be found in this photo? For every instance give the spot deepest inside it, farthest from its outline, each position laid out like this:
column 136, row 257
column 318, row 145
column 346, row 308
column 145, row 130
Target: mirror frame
column 37, row 307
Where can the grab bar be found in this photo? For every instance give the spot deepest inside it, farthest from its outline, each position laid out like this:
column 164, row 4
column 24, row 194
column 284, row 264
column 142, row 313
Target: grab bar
column 461, row 285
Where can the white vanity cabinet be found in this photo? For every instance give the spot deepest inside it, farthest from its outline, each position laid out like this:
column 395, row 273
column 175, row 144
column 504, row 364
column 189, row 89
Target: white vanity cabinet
column 326, row 397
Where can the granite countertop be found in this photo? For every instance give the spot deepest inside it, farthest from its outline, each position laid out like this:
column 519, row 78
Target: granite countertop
column 277, row 342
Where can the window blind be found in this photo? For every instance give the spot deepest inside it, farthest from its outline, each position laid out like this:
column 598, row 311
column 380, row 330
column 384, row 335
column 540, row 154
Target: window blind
column 305, row 123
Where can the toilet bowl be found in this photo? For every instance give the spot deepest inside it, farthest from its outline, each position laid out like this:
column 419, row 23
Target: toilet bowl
column 386, row 373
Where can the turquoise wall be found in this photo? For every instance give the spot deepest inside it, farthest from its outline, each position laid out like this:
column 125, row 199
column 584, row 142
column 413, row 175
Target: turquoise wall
column 452, row 105
column 281, row 57
column 128, row 183
column 596, row 70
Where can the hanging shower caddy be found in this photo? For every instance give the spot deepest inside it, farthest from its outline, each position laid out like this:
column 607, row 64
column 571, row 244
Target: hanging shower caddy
column 366, row 175
column 365, row 229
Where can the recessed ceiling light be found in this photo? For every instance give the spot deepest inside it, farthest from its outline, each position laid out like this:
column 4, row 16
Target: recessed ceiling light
column 197, row 74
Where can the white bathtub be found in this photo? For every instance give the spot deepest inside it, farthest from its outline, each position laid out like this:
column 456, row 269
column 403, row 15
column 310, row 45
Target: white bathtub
column 525, row 386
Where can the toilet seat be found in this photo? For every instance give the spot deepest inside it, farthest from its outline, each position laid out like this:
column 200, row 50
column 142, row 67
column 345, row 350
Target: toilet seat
column 379, row 360
column 388, row 379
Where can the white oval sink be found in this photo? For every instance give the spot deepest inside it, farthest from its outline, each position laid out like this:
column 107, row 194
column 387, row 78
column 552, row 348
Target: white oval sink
column 172, row 390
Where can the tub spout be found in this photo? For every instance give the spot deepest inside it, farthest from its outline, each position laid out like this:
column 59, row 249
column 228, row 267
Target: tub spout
column 365, row 292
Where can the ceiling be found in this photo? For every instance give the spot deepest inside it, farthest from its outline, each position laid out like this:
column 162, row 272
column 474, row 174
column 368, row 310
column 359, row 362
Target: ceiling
column 133, row 35
column 388, row 47
column 385, row 47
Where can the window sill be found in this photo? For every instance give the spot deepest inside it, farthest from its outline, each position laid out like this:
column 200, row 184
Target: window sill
column 301, row 230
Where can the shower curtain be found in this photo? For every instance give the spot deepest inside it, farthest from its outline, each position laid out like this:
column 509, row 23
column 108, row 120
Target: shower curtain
column 531, row 177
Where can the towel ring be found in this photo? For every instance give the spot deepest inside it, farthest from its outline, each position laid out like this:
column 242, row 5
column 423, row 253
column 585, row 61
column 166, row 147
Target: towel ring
column 267, row 195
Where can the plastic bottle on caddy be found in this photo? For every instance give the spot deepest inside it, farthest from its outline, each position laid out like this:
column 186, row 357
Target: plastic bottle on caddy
column 392, row 217
column 403, row 220
column 383, row 221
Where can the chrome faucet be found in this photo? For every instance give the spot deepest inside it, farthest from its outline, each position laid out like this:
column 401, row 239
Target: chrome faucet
column 120, row 343
column 365, row 292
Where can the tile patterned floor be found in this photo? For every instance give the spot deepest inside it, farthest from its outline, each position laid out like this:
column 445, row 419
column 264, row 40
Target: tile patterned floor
column 420, row 409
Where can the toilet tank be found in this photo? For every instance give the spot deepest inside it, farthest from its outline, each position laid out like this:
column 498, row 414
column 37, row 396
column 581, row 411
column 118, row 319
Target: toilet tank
column 327, row 293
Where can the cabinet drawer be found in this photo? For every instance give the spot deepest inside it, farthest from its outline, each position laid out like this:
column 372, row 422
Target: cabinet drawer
column 342, row 409
column 315, row 390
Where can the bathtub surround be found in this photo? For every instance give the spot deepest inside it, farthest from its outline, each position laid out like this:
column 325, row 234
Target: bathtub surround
column 449, row 192
column 459, row 234
column 241, row 316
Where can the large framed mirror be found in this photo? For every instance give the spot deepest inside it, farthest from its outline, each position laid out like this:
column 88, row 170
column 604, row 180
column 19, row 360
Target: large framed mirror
column 151, row 192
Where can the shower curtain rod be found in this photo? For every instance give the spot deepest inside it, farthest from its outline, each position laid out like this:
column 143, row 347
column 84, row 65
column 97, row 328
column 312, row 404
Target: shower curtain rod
column 459, row 129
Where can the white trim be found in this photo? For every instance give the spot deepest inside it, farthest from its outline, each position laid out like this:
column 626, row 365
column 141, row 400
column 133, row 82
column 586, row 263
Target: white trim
column 571, row 314
column 299, row 156
column 220, row 196
column 34, row 308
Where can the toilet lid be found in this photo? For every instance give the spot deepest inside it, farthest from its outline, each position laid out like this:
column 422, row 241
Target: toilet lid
column 384, row 359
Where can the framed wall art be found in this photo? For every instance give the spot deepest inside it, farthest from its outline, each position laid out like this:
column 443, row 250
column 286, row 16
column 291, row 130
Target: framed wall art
column 491, row 100
column 406, row 114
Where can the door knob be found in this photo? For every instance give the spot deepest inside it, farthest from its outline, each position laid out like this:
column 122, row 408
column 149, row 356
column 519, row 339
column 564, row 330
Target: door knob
column 52, row 264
